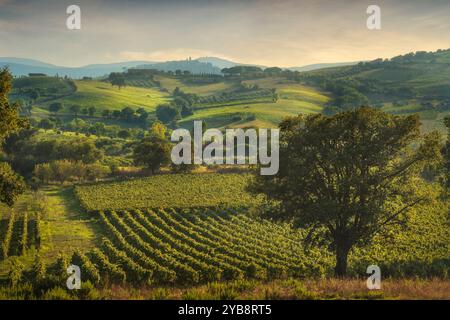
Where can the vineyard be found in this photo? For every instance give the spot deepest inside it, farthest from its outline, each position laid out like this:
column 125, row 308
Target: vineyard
column 194, row 246
column 188, row 247
column 168, row 191
column 189, row 229
column 19, row 231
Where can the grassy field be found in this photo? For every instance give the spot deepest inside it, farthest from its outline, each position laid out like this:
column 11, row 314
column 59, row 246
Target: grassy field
column 170, row 83
column 102, row 95
column 64, row 227
column 293, row 99
column 293, row 289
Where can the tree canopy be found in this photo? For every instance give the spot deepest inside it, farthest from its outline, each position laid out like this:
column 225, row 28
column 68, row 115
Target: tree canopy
column 349, row 176
column 11, row 184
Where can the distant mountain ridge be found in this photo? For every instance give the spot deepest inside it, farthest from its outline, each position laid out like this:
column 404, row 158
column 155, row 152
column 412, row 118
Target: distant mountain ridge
column 22, row 67
column 311, row 67
column 206, row 65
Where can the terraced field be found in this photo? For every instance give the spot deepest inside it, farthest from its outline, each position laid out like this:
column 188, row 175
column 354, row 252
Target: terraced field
column 293, row 99
column 202, row 90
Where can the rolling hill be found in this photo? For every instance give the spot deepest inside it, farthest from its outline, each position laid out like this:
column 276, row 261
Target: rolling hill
column 22, row 67
column 88, row 93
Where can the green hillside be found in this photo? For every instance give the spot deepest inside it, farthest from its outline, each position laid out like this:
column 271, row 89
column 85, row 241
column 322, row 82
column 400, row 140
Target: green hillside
column 293, row 98
column 86, row 93
column 412, row 83
column 103, row 95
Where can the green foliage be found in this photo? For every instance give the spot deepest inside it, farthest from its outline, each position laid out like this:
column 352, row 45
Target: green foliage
column 28, row 149
column 88, row 269
column 67, row 170
column 117, row 79
column 152, row 152
column 349, row 176
column 11, row 184
column 8, row 235
column 166, row 113
column 15, row 272
column 446, row 152
column 46, row 124
column 55, row 107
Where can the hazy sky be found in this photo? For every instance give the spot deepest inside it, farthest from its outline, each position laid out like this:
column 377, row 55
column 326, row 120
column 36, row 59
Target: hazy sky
column 283, row 33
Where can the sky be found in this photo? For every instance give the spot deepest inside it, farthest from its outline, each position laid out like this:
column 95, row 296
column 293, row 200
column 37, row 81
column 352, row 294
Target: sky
column 284, row 33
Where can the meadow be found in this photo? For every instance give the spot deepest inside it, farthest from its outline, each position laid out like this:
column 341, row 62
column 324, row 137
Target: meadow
column 103, row 95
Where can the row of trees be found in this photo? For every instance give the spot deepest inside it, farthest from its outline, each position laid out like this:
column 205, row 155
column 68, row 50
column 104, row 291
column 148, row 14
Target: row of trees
column 24, row 150
column 181, row 107
column 127, row 114
column 68, row 170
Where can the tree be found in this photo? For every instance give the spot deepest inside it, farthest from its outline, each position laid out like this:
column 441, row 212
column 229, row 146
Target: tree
column 166, row 113
column 127, row 114
column 97, row 171
column 152, row 153
column 11, row 184
column 158, row 130
column 106, row 113
column 55, row 107
column 116, row 114
column 447, row 153
column 348, row 177
column 46, row 124
column 75, row 109
column 118, row 80
column 124, row 134
column 91, row 111
column 34, row 95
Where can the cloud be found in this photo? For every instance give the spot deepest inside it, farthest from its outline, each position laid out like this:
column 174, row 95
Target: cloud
column 268, row 32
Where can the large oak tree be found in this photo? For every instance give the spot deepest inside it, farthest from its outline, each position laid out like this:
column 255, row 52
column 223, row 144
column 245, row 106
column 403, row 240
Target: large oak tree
column 347, row 177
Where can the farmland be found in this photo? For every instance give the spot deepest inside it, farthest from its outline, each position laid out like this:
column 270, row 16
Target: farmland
column 222, row 237
column 163, row 231
column 105, row 96
column 178, row 191
column 103, row 194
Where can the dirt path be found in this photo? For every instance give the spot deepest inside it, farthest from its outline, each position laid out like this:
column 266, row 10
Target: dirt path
column 66, row 227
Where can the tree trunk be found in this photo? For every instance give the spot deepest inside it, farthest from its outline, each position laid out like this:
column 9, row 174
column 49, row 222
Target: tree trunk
column 340, row 269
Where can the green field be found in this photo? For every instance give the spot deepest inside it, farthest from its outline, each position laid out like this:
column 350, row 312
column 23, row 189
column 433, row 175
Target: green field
column 167, row 191
column 170, row 83
column 293, row 99
column 102, row 95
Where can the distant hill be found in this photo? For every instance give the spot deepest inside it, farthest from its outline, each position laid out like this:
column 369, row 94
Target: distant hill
column 318, row 66
column 218, row 62
column 193, row 66
column 420, row 75
column 22, row 67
